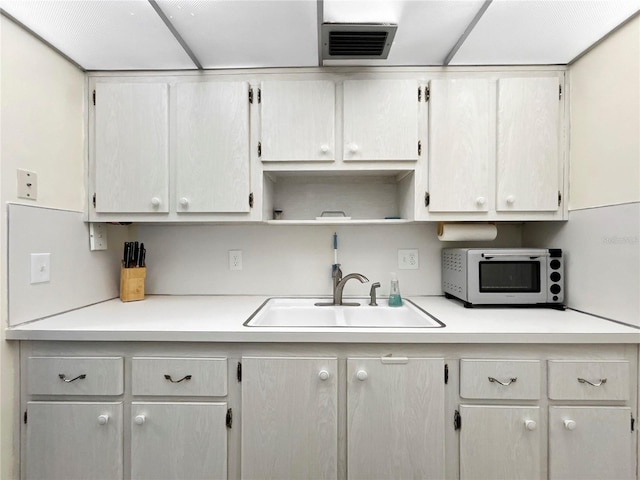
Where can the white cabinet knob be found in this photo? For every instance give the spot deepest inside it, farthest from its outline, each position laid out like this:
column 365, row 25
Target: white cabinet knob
column 324, row 148
column 140, row 419
column 510, row 199
column 103, row 419
column 323, row 375
column 570, row 425
column 530, row 424
column 155, row 202
column 184, row 202
column 362, row 375
column 480, row 201
column 353, row 148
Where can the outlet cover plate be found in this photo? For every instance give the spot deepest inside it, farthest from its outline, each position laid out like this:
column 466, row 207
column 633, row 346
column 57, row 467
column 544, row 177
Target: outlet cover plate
column 408, row 259
column 235, row 259
column 40, row 267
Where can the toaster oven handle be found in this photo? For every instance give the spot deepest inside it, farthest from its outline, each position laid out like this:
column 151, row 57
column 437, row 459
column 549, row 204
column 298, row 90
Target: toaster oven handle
column 531, row 255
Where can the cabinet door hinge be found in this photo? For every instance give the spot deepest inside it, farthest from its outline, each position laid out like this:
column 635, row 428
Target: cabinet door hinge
column 427, row 199
column 427, row 93
column 560, row 92
column 259, row 149
column 24, row 417
column 229, row 418
column 239, row 372
column 633, row 422
column 259, row 96
column 94, row 97
column 419, row 94
column 251, row 200
column 419, row 148
column 559, row 198
column 457, row 420
column 251, row 95
column 446, row 373
column 94, row 200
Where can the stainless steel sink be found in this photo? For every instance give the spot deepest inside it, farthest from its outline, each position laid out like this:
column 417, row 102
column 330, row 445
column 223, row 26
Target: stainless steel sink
column 303, row 312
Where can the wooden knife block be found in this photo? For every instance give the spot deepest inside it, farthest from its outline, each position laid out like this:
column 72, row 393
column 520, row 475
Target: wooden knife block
column 132, row 283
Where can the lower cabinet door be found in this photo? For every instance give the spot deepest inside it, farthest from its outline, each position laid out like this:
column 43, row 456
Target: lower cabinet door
column 289, row 418
column 590, row 443
column 185, row 441
column 74, row 441
column 395, row 418
column 499, row 442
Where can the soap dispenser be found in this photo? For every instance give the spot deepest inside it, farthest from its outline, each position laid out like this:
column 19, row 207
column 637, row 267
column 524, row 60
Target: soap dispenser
column 395, row 300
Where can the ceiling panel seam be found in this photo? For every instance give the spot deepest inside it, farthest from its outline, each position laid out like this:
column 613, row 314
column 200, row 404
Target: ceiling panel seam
column 175, row 33
column 467, row 32
column 35, row 35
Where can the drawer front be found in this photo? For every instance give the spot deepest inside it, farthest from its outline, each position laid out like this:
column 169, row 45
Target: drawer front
column 75, row 376
column 500, row 379
column 585, row 380
column 179, row 376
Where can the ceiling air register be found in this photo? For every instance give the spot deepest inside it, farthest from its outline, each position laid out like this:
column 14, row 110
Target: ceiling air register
column 356, row 40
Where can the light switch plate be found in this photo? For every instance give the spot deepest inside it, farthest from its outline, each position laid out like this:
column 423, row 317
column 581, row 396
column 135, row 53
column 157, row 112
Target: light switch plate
column 27, row 184
column 40, row 267
column 408, row 259
column 235, row 259
column 98, row 236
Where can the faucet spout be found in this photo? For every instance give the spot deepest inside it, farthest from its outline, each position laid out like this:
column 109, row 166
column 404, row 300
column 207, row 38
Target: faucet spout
column 337, row 292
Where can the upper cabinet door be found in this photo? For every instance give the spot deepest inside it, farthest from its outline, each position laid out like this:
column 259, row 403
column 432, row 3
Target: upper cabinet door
column 380, row 120
column 528, row 144
column 297, row 120
column 459, row 145
column 132, row 148
column 212, row 147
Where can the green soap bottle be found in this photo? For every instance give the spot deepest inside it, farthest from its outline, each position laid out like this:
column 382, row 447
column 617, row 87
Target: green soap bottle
column 395, row 300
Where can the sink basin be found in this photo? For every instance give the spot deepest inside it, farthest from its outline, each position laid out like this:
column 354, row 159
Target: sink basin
column 303, row 312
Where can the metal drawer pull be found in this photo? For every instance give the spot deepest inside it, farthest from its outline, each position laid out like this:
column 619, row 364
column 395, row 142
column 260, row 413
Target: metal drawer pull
column 504, row 384
column 601, row 382
column 64, row 378
column 186, row 377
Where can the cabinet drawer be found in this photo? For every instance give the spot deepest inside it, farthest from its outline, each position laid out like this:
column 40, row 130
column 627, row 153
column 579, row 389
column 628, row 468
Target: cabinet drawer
column 75, row 376
column 585, row 380
column 500, row 379
column 179, row 376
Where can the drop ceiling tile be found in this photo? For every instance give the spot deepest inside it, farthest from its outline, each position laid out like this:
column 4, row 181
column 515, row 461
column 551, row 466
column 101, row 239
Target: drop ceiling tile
column 103, row 34
column 247, row 33
column 530, row 32
column 427, row 29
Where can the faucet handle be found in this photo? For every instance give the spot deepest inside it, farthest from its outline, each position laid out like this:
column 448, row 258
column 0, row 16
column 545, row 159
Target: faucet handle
column 372, row 294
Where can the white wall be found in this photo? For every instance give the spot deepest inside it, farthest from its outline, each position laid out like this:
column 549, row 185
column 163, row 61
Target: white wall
column 605, row 122
column 41, row 128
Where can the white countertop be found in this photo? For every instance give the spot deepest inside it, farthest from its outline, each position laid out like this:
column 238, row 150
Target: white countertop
column 221, row 318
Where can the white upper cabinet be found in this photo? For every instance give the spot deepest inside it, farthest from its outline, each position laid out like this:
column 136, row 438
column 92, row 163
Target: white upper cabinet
column 528, row 144
column 459, row 145
column 132, row 148
column 212, row 147
column 297, row 120
column 380, row 120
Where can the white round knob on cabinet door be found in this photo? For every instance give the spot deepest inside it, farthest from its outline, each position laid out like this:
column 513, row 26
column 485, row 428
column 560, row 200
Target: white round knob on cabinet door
column 155, row 202
column 353, row 148
column 510, row 199
column 103, row 419
column 362, row 375
column 570, row 425
column 530, row 424
column 140, row 419
column 480, row 201
column 184, row 202
column 324, row 148
column 323, row 375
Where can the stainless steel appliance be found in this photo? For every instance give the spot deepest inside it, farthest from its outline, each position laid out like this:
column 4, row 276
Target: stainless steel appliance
column 504, row 276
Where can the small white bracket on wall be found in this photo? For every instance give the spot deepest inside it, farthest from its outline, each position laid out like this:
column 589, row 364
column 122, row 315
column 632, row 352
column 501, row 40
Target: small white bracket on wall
column 98, row 236
column 27, row 184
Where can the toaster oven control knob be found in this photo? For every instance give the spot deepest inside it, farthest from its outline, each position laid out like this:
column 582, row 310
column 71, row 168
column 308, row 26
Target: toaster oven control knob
column 530, row 425
column 570, row 425
column 480, row 201
column 555, row 288
column 184, row 202
column 362, row 375
column 554, row 264
column 510, row 199
column 555, row 276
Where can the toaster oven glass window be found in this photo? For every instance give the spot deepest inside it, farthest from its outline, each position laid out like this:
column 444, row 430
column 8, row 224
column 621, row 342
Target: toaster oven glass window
column 509, row 277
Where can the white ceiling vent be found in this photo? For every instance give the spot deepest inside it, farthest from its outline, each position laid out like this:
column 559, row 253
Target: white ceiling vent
column 356, row 40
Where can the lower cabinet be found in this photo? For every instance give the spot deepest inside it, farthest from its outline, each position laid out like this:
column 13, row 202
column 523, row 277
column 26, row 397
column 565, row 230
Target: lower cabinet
column 74, row 441
column 178, row 441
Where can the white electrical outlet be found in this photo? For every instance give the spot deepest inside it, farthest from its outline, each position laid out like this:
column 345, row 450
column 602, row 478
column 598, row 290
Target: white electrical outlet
column 98, row 236
column 40, row 267
column 235, row 259
column 408, row 259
